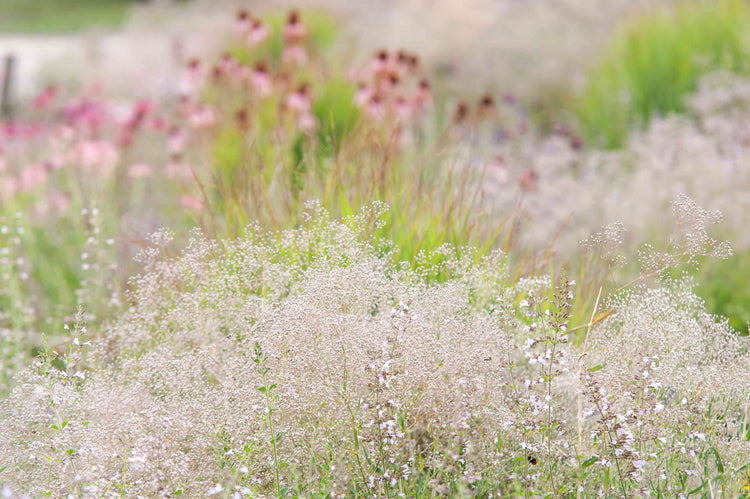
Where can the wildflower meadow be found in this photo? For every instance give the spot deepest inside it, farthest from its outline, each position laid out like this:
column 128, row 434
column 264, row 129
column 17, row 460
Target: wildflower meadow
column 308, row 269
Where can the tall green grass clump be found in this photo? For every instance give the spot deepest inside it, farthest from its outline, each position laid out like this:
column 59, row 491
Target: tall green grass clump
column 655, row 60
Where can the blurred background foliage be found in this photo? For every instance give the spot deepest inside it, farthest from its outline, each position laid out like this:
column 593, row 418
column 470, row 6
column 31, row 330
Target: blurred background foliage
column 655, row 60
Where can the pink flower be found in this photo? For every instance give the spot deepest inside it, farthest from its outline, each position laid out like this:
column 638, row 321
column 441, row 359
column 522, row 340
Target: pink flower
column 528, row 180
column 157, row 124
column 176, row 141
column 375, row 107
column 244, row 22
column 388, row 83
column 191, row 79
column 140, row 110
column 261, row 80
column 33, row 176
column 406, row 63
column 423, row 95
column 45, row 99
column 362, row 95
column 125, row 139
column 497, row 170
column 98, row 157
column 202, row 117
column 300, row 100
column 380, row 64
column 140, row 170
column 294, row 32
column 486, row 108
column 307, row 122
column 402, row 109
column 294, row 54
column 191, row 203
column 259, row 32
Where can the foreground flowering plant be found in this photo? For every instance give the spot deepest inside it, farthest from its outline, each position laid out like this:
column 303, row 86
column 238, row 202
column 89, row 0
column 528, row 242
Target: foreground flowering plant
column 310, row 362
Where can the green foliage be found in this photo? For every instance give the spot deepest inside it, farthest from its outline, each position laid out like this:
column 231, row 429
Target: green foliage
column 654, row 61
column 323, row 33
column 335, row 110
column 56, row 16
column 723, row 284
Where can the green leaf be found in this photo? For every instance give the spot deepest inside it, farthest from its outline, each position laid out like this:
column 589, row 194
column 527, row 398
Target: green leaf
column 596, row 368
column 703, row 484
column 588, row 462
column 719, row 463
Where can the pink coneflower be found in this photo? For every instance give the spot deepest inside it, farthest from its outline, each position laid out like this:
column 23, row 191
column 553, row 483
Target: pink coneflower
column 217, row 74
column 300, row 101
column 380, row 65
column 528, row 179
column 362, row 95
column 261, row 81
column 191, row 203
column 497, row 170
column 461, row 114
column 294, row 54
column 295, row 31
column 157, row 123
column 125, row 139
column 259, row 33
column 244, row 22
column 241, row 75
column 402, row 58
column 45, row 99
column 423, row 95
column 33, row 176
column 389, row 82
column 202, row 117
column 191, row 79
column 241, row 118
column 407, row 62
column 486, row 107
column 8, row 129
column 380, row 61
column 84, row 114
column 97, row 157
column 140, row 110
column 176, row 141
column 307, row 122
column 402, row 109
column 225, row 60
column 576, row 142
column 375, row 107
column 140, row 170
